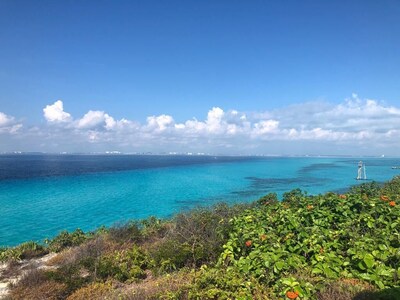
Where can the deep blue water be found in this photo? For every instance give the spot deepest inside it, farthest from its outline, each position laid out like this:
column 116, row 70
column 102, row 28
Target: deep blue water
column 40, row 195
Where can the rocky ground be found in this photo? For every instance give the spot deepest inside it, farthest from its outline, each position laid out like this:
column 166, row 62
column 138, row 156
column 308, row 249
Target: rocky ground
column 12, row 272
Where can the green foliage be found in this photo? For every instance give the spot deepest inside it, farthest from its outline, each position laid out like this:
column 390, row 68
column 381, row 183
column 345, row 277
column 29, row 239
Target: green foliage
column 122, row 233
column 124, row 265
column 170, row 255
column 219, row 283
column 195, row 238
column 387, row 294
column 369, row 189
column 23, row 251
column 66, row 239
column 392, row 188
column 153, row 227
column 268, row 199
column 305, row 241
column 293, row 196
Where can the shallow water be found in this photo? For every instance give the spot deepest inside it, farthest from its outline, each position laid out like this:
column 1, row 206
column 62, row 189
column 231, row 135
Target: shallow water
column 40, row 195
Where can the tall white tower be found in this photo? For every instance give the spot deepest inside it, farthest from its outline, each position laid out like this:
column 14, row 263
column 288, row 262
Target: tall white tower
column 361, row 173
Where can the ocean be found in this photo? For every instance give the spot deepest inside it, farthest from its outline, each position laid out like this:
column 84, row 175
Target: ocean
column 41, row 195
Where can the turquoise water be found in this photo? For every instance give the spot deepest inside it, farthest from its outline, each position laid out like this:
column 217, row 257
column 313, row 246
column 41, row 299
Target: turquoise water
column 37, row 207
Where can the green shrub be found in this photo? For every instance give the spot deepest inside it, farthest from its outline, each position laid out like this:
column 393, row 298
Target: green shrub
column 128, row 232
column 391, row 189
column 170, row 255
column 66, row 239
column 124, row 265
column 221, row 283
column 25, row 250
column 153, row 227
column 268, row 199
column 204, row 231
column 369, row 189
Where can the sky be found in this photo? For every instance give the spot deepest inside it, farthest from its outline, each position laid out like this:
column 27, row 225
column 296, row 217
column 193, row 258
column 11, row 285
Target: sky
column 222, row 77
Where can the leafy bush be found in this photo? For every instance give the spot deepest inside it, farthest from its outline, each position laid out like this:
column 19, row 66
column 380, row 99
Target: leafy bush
column 128, row 232
column 66, row 239
column 124, row 265
column 194, row 238
column 268, row 199
column 170, row 255
column 220, row 283
column 369, row 189
column 391, row 189
column 25, row 250
column 153, row 227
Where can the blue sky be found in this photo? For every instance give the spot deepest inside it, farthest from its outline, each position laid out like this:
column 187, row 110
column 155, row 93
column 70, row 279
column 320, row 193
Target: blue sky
column 134, row 60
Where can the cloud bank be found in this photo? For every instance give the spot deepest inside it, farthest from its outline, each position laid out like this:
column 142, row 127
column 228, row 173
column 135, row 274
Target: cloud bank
column 355, row 126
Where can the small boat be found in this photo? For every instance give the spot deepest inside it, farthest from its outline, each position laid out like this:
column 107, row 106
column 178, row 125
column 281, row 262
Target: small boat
column 396, row 167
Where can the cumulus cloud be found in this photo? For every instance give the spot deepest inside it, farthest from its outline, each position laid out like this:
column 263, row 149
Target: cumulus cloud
column 265, row 127
column 8, row 124
column 5, row 120
column 55, row 112
column 159, row 123
column 93, row 119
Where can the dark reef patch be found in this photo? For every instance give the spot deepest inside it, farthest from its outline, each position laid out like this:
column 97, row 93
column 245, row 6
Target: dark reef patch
column 317, row 167
column 267, row 183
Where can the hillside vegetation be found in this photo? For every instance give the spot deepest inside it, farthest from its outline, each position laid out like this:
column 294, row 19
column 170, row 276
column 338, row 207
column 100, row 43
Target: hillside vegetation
column 324, row 247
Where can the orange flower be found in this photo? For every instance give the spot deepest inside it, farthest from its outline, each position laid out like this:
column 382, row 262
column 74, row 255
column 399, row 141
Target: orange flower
column 292, row 295
column 249, row 243
column 342, row 196
column 263, row 237
column 384, row 198
column 392, row 203
column 321, row 250
column 310, row 207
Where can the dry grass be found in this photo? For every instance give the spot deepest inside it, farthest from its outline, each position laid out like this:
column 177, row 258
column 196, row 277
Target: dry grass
column 12, row 269
column 94, row 291
column 159, row 287
column 92, row 248
column 346, row 289
column 49, row 290
column 34, row 284
column 152, row 288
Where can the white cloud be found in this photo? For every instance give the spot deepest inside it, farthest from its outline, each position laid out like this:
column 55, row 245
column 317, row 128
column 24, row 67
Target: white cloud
column 8, row 124
column 159, row 123
column 110, row 122
column 93, row 119
column 266, row 127
column 5, row 120
column 55, row 112
column 214, row 120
